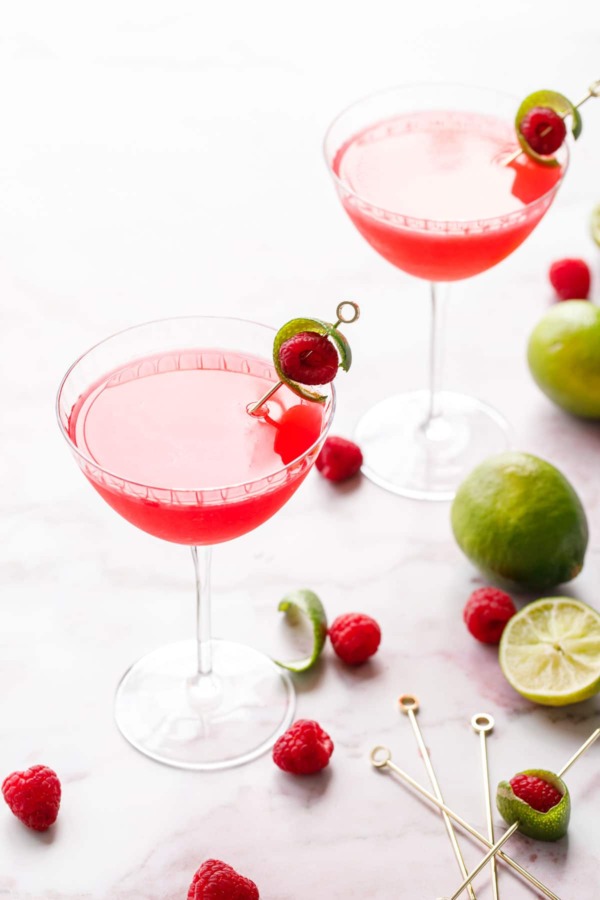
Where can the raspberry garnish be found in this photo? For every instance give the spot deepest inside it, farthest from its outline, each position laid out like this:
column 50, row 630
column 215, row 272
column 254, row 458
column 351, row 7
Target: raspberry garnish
column 355, row 637
column 304, row 748
column 309, row 358
column 486, row 613
column 537, row 793
column 543, row 129
column 339, row 459
column 570, row 278
column 33, row 796
column 215, row 880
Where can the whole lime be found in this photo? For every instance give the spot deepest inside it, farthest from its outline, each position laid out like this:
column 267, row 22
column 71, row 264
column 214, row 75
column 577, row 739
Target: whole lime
column 564, row 357
column 517, row 517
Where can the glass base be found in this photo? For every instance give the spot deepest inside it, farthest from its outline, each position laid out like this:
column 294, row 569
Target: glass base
column 428, row 463
column 204, row 722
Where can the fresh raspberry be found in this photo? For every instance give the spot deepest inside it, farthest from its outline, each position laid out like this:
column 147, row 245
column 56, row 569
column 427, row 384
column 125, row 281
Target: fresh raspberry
column 33, row 796
column 571, row 279
column 543, row 129
column 215, row 880
column 304, row 748
column 486, row 613
column 537, row 793
column 355, row 637
column 309, row 358
column 339, row 459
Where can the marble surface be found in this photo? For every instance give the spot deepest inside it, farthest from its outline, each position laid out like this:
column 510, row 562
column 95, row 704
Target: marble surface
column 164, row 158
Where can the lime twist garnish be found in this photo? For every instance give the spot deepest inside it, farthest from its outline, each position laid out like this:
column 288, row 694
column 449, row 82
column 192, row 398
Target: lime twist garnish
column 310, row 352
column 539, row 820
column 595, row 224
column 540, row 123
column 305, row 603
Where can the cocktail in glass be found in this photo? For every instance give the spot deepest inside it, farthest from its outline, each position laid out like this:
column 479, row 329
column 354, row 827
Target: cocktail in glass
column 431, row 177
column 156, row 417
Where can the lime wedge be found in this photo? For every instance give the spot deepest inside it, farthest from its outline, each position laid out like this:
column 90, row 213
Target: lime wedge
column 561, row 105
column 542, row 826
column 295, row 326
column 305, row 603
column 550, row 651
column 595, row 224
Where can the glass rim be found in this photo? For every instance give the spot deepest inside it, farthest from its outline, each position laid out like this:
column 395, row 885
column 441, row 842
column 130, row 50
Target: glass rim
column 421, row 223
column 188, row 489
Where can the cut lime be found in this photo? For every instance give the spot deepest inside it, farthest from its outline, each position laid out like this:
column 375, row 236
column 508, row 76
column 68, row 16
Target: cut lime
column 550, row 651
column 294, row 327
column 595, row 224
column 305, row 603
column 552, row 100
column 542, row 826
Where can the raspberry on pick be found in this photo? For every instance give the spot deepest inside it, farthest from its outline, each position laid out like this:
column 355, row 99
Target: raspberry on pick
column 355, row 637
column 571, row 279
column 544, row 130
column 304, row 748
column 537, row 793
column 339, row 459
column 33, row 796
column 486, row 614
column 309, row 358
column 215, row 880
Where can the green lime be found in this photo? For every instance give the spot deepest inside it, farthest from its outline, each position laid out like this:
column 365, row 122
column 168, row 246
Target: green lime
column 299, row 604
column 295, row 326
column 550, row 100
column 543, row 826
column 518, row 518
column 550, row 651
column 564, row 357
column 595, row 224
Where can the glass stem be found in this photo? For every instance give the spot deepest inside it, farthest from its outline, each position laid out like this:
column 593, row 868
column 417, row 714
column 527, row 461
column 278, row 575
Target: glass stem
column 202, row 559
column 438, row 296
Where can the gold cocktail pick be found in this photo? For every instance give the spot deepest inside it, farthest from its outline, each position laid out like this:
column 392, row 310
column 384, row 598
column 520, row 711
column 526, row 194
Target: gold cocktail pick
column 483, row 724
column 343, row 318
column 381, row 758
column 593, row 91
column 494, row 849
column 409, row 705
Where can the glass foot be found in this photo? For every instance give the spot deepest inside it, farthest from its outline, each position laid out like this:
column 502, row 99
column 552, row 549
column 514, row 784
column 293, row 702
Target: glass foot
column 204, row 722
column 404, row 457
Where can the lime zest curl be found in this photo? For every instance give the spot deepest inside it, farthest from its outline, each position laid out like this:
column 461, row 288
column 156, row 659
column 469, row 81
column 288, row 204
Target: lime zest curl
column 305, row 603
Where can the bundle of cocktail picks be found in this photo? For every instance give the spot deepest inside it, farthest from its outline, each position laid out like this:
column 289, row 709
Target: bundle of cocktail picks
column 483, row 724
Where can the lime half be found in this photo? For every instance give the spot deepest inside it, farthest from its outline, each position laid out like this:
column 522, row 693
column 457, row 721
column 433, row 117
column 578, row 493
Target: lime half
column 550, row 651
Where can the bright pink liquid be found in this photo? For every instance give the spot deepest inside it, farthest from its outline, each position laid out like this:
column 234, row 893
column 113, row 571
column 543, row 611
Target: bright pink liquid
column 430, row 193
column 177, row 454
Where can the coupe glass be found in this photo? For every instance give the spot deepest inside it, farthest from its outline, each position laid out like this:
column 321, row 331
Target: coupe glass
column 202, row 703
column 421, row 444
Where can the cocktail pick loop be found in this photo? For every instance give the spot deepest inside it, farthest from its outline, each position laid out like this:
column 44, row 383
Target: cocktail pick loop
column 409, row 705
column 593, row 91
column 381, row 758
column 508, row 834
column 483, row 724
column 343, row 318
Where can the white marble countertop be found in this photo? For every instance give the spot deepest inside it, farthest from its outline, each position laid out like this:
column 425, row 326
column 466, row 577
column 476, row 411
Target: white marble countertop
column 164, row 158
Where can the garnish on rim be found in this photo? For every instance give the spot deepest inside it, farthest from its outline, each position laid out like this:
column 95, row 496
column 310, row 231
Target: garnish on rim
column 309, row 352
column 540, row 124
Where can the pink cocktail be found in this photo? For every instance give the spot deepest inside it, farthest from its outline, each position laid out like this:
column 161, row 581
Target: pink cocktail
column 428, row 176
column 157, row 419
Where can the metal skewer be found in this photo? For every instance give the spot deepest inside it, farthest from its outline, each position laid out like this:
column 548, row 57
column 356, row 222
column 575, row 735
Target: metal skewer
column 253, row 409
column 409, row 705
column 483, row 724
column 593, row 91
column 493, row 850
column 381, row 758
